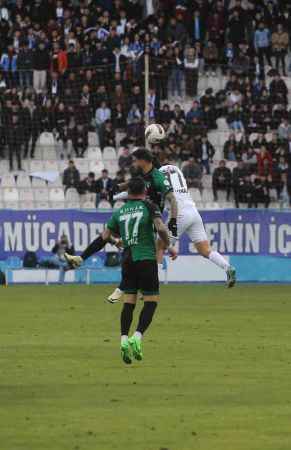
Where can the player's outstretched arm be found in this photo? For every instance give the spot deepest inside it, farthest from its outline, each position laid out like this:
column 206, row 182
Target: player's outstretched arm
column 172, row 225
column 162, row 232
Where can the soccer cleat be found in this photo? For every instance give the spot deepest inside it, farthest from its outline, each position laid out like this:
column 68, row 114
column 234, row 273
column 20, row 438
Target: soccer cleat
column 231, row 277
column 136, row 349
column 73, row 261
column 115, row 296
column 125, row 353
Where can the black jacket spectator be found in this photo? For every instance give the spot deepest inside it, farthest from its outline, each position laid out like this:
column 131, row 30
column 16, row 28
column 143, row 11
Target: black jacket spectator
column 221, row 180
column 71, row 176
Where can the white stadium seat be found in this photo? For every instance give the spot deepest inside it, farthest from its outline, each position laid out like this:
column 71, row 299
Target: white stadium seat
column 50, row 153
column 38, row 183
column 4, row 166
column 96, row 167
column 93, row 139
column 195, row 194
column 51, row 166
column 104, row 204
column 36, row 166
column 62, row 164
column 26, row 204
column 11, row 205
column 72, row 195
column 94, row 153
column 207, row 195
column 47, row 140
column 111, row 166
column 57, row 183
column 10, row 195
column 26, row 195
column 42, row 205
column 72, row 205
column 57, row 205
column 56, row 195
column 23, row 180
column 118, row 204
column 88, row 205
column 109, row 153
column 41, row 194
column 82, row 165
column 8, row 180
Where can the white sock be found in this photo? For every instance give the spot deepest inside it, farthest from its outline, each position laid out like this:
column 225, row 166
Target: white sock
column 124, row 339
column 138, row 335
column 219, row 260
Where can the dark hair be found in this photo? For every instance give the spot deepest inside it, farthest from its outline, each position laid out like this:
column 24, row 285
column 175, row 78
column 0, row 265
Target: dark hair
column 143, row 154
column 136, row 186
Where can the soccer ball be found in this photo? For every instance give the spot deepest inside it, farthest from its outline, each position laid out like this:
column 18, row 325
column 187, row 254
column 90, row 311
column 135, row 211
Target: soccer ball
column 154, row 133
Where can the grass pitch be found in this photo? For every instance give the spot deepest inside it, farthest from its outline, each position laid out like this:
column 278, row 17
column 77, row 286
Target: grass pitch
column 216, row 373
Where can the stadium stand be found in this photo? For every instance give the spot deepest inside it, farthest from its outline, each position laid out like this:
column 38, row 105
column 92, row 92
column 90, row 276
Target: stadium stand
column 72, row 79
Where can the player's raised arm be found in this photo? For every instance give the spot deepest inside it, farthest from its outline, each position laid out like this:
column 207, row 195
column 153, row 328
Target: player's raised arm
column 162, row 231
column 172, row 225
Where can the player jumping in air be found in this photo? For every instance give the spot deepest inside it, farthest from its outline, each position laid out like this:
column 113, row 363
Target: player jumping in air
column 190, row 222
column 134, row 223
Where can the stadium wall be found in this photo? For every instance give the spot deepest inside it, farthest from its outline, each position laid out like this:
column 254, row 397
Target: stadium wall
column 257, row 243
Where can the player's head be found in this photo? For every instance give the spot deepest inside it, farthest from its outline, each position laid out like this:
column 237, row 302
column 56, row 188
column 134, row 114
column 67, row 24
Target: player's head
column 136, row 187
column 142, row 159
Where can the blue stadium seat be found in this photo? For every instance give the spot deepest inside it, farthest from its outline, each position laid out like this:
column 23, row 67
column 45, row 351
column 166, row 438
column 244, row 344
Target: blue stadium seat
column 94, row 262
column 13, row 262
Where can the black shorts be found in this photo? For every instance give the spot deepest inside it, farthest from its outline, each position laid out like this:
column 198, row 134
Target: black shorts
column 139, row 276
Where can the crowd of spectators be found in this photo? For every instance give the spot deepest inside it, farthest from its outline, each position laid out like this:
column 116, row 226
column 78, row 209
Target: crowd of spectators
column 74, row 66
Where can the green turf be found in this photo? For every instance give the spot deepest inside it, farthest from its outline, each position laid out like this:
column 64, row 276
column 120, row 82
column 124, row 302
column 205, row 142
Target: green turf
column 215, row 375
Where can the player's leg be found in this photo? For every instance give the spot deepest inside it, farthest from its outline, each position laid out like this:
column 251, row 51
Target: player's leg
column 198, row 236
column 149, row 285
column 130, row 282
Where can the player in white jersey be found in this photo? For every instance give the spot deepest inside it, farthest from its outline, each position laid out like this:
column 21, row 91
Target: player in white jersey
column 190, row 222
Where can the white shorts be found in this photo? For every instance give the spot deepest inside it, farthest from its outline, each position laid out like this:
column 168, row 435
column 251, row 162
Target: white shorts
column 190, row 222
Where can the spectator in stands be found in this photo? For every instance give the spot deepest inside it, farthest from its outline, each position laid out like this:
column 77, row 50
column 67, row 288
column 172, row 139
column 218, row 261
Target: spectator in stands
column 278, row 90
column 15, row 141
column 41, row 63
column 210, row 55
column 193, row 174
column 280, row 43
column 104, row 187
column 261, row 192
column 125, row 159
column 89, row 184
column 191, row 64
column 262, row 44
column 204, row 153
column 265, row 162
column 80, row 140
column 288, row 182
column 284, row 129
column 103, row 113
column 176, row 74
column 239, row 181
column 71, row 176
column 25, row 65
column 221, row 180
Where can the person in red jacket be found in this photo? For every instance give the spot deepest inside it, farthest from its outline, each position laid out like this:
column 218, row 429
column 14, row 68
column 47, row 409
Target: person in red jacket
column 265, row 162
column 59, row 60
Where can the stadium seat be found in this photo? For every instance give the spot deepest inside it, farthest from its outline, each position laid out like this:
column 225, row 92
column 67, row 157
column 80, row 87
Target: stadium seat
column 26, row 205
column 8, row 180
column 41, row 194
column 62, row 165
column 10, row 195
column 38, row 183
column 82, row 165
column 72, row 205
column 56, row 195
column 13, row 262
column 109, row 153
column 93, row 139
column 94, row 153
column 195, row 194
column 36, row 166
column 72, row 195
column 38, row 152
column 207, row 195
column 88, row 205
column 96, row 167
column 23, row 181
column 57, row 205
column 57, row 183
column 207, row 181
column 211, row 205
column 4, row 166
column 118, row 204
column 51, row 166
column 26, row 195
column 47, row 140
column 41, row 205
column 111, row 166
column 104, row 204
column 50, row 153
